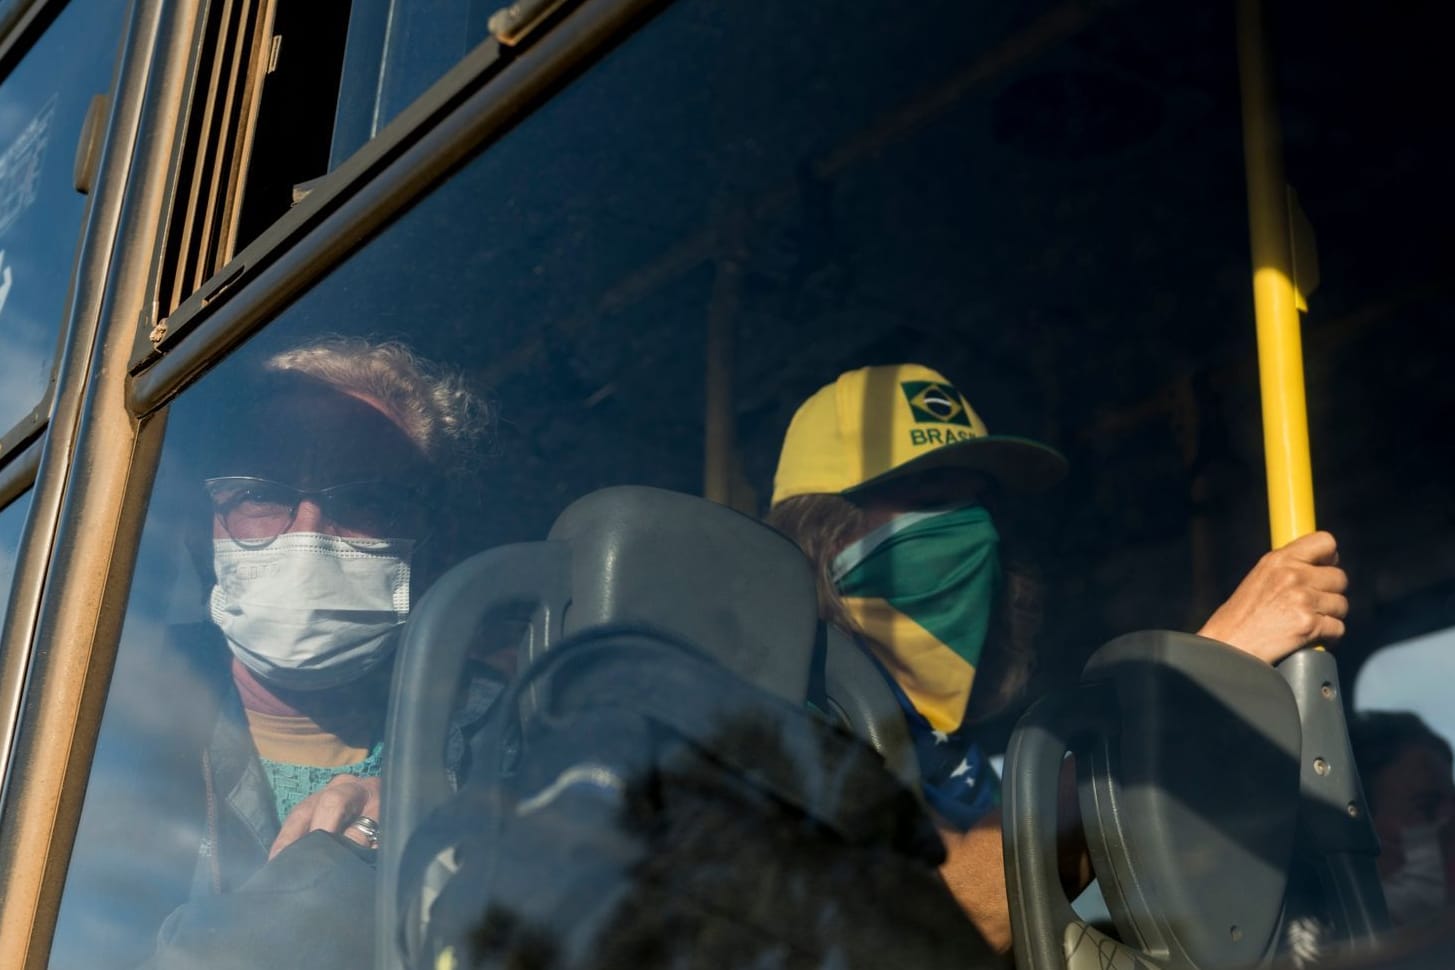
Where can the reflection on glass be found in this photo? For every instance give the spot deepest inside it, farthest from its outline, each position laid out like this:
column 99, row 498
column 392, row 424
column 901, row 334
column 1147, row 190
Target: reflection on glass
column 12, row 521
column 731, row 184
column 43, row 102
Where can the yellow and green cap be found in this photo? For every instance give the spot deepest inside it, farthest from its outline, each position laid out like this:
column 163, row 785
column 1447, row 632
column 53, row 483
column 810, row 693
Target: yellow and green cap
column 875, row 424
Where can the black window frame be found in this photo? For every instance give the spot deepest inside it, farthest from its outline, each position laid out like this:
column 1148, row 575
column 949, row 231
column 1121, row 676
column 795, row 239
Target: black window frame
column 474, row 103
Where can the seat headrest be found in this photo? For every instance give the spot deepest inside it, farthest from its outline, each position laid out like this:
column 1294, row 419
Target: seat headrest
column 1187, row 755
column 738, row 590
column 1196, row 796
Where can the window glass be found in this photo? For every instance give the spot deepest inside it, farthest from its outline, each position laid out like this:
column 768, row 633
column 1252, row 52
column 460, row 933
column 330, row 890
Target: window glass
column 649, row 282
column 43, row 103
column 394, row 51
column 1402, row 732
column 12, row 522
column 1409, row 676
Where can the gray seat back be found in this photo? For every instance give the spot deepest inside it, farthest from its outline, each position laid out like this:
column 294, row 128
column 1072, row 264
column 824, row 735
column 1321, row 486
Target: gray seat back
column 737, row 590
column 1189, row 759
column 628, row 556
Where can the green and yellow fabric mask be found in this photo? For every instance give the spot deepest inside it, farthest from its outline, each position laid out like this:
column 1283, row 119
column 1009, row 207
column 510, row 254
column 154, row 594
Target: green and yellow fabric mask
column 922, row 589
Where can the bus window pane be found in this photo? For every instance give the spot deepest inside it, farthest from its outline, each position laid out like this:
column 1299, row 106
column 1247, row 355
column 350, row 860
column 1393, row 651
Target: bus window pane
column 395, row 50
column 43, row 103
column 639, row 284
column 12, row 523
column 1411, row 676
column 1402, row 732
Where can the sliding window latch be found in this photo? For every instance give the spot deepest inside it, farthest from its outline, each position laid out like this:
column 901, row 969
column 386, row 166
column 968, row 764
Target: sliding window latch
column 511, row 25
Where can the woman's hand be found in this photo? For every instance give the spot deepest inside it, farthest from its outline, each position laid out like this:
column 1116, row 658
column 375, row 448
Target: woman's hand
column 1293, row 598
column 332, row 808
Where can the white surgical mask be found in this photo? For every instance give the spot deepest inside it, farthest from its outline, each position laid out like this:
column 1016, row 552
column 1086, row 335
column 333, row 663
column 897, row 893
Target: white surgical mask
column 1416, row 891
column 311, row 611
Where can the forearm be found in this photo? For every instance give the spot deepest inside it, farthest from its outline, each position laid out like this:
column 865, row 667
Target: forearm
column 974, row 870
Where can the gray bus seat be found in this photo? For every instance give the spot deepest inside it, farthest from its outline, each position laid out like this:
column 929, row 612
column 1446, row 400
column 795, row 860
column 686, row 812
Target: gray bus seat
column 854, row 694
column 624, row 557
column 1188, row 760
column 736, row 588
column 739, row 591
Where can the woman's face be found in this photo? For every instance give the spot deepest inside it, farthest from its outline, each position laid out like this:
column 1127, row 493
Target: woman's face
column 338, row 462
column 1009, row 654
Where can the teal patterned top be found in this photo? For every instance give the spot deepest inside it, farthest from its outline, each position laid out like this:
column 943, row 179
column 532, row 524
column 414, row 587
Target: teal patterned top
column 293, row 783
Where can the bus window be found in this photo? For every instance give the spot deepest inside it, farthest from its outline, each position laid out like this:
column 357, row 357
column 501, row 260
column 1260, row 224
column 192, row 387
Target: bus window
column 1410, row 676
column 395, row 50
column 303, row 85
column 12, row 521
column 729, row 209
column 44, row 101
column 1402, row 731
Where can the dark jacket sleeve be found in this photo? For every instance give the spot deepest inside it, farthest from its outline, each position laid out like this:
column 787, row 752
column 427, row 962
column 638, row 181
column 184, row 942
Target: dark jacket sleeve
column 305, row 909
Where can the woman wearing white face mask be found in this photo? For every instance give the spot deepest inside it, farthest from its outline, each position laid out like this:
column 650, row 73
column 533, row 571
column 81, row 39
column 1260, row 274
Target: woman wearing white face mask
column 1407, row 773
column 318, row 514
column 887, row 480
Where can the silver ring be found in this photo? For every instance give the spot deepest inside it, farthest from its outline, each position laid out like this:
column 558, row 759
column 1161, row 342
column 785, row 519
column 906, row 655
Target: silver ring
column 369, row 827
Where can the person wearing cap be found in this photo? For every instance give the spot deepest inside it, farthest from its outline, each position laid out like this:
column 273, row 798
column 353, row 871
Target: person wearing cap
column 322, row 514
column 888, row 481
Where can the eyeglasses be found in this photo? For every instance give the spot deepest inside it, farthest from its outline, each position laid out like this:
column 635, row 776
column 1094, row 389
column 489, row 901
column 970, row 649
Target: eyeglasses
column 255, row 511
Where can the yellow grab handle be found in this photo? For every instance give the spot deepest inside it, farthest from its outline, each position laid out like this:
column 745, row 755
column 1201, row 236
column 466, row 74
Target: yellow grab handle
column 1275, row 296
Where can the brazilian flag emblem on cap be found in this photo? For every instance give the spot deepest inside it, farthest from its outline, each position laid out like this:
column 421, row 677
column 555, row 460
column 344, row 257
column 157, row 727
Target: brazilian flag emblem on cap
column 932, row 401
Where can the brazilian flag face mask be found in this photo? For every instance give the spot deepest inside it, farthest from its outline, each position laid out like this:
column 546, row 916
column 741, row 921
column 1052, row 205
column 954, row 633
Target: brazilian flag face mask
column 922, row 588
